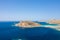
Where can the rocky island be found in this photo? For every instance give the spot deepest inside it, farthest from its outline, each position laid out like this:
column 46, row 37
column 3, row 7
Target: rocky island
column 54, row 21
column 27, row 24
column 30, row 24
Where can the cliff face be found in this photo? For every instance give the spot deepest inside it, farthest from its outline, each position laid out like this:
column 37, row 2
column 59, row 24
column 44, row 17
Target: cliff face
column 27, row 24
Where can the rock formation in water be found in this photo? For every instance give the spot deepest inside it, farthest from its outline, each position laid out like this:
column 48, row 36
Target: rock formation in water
column 54, row 21
column 27, row 24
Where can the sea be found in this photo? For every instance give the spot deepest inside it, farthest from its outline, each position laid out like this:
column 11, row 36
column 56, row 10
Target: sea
column 10, row 32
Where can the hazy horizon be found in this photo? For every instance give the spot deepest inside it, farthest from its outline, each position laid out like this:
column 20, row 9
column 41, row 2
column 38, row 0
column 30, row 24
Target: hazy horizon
column 15, row 10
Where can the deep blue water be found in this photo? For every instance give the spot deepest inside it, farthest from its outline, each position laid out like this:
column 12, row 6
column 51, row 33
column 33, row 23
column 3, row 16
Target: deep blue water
column 9, row 32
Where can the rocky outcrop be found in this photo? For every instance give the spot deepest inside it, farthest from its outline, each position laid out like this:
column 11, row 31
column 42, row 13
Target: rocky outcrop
column 27, row 24
column 54, row 21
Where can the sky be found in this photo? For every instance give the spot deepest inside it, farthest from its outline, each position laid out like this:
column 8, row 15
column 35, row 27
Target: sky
column 15, row 10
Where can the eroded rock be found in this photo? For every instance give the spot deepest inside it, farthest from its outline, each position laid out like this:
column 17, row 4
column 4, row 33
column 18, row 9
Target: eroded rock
column 54, row 21
column 27, row 24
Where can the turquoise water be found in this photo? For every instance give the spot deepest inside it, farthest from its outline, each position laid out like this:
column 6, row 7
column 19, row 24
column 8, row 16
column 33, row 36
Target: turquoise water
column 9, row 32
